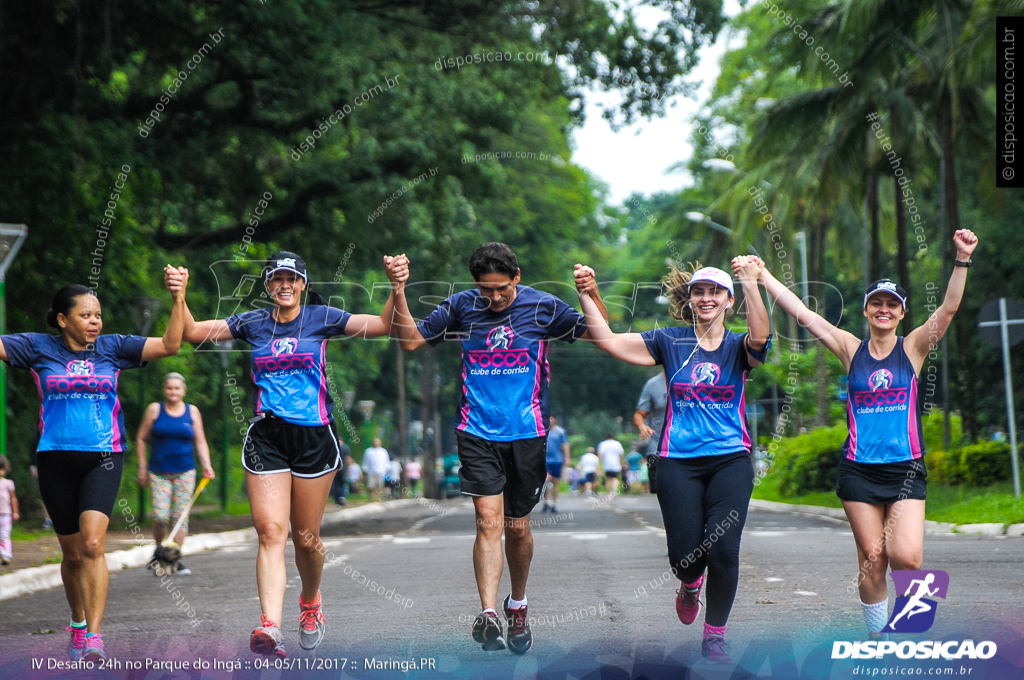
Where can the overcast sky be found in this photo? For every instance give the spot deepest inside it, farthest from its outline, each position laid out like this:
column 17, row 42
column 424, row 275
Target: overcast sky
column 636, row 159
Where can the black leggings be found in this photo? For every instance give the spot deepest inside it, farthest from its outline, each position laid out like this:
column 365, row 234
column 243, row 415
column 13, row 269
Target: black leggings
column 71, row 482
column 704, row 504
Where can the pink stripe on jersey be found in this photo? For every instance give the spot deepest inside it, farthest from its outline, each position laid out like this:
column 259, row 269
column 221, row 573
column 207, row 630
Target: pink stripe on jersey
column 464, row 413
column 39, row 386
column 743, row 412
column 542, row 356
column 322, row 392
column 259, row 393
column 915, row 441
column 663, row 447
column 116, row 439
column 852, row 453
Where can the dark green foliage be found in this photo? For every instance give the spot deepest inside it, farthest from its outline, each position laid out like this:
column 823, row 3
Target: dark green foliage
column 808, row 462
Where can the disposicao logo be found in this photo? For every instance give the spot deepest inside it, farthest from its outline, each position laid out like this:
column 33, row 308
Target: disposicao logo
column 915, row 613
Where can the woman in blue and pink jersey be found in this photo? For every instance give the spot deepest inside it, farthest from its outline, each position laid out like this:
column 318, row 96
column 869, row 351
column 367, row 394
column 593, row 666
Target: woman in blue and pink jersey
column 881, row 478
column 705, row 476
column 82, row 436
column 291, row 451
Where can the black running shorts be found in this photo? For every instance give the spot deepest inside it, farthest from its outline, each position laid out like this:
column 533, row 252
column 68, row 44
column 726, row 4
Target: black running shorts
column 275, row 445
column 71, row 482
column 516, row 469
column 881, row 483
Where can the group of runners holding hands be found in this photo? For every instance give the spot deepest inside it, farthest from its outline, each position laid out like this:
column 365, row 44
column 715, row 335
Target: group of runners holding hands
column 291, row 452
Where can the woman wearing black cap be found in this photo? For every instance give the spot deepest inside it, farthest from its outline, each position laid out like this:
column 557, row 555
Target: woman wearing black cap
column 881, row 477
column 291, row 453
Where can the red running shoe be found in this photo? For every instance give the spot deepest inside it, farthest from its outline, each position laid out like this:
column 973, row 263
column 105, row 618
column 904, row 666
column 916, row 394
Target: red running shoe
column 267, row 639
column 715, row 649
column 688, row 602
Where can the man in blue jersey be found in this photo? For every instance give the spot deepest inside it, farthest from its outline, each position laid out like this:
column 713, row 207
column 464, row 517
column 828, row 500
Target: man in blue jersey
column 505, row 329
column 557, row 456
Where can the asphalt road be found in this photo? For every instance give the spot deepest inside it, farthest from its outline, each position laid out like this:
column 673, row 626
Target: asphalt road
column 598, row 596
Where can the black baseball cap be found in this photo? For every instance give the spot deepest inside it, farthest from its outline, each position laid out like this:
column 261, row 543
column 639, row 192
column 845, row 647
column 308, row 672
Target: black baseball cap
column 886, row 286
column 288, row 261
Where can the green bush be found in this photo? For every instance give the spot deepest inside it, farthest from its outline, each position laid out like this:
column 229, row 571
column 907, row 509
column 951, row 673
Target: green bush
column 932, row 426
column 807, row 463
column 945, row 467
column 975, row 465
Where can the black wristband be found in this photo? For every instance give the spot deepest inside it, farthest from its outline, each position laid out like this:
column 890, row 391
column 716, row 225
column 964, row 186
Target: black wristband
column 960, row 263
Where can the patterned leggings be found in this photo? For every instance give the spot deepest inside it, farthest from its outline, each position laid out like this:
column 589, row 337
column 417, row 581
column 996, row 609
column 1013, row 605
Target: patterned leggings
column 171, row 493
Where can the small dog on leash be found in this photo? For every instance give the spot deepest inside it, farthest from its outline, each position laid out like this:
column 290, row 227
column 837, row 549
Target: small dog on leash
column 166, row 559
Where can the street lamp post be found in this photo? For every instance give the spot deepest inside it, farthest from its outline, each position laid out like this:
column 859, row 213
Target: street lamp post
column 11, row 238
column 701, row 218
column 144, row 311
column 801, row 238
column 366, row 406
column 225, row 417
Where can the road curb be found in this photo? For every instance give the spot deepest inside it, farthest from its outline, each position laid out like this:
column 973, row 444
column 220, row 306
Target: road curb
column 34, row 579
column 774, row 506
column 930, row 527
column 986, row 529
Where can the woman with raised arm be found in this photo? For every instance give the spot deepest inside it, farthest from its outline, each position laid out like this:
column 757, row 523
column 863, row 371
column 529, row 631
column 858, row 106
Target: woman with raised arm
column 291, row 451
column 705, row 475
column 82, row 437
column 882, row 477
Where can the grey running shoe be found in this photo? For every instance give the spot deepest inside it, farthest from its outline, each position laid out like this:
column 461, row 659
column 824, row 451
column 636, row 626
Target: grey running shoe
column 312, row 624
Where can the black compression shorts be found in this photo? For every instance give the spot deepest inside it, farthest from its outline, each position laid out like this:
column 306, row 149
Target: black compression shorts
column 71, row 482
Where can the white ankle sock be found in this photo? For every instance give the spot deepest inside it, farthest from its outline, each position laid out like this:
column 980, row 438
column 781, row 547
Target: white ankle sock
column 76, row 624
column 876, row 615
column 516, row 604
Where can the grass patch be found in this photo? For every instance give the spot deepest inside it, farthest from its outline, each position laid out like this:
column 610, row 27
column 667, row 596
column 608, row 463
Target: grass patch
column 768, row 490
column 19, row 532
column 967, row 505
column 956, row 504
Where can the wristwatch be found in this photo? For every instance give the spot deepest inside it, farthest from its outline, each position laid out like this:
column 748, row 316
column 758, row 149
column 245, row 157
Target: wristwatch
column 961, row 263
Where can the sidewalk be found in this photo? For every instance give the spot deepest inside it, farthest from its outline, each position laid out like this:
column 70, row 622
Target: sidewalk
column 125, row 552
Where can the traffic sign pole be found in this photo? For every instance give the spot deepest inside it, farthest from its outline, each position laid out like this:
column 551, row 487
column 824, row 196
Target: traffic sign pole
column 1011, row 412
column 1004, row 323
column 11, row 238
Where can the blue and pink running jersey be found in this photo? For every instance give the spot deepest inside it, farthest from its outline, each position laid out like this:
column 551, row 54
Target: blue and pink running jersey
column 287, row 361
column 706, row 414
column 882, row 410
column 505, row 369
column 80, row 408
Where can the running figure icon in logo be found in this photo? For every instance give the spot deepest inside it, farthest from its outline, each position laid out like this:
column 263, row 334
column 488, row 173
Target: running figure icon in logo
column 706, row 372
column 914, row 603
column 880, row 379
column 284, row 346
column 500, row 337
column 79, row 367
